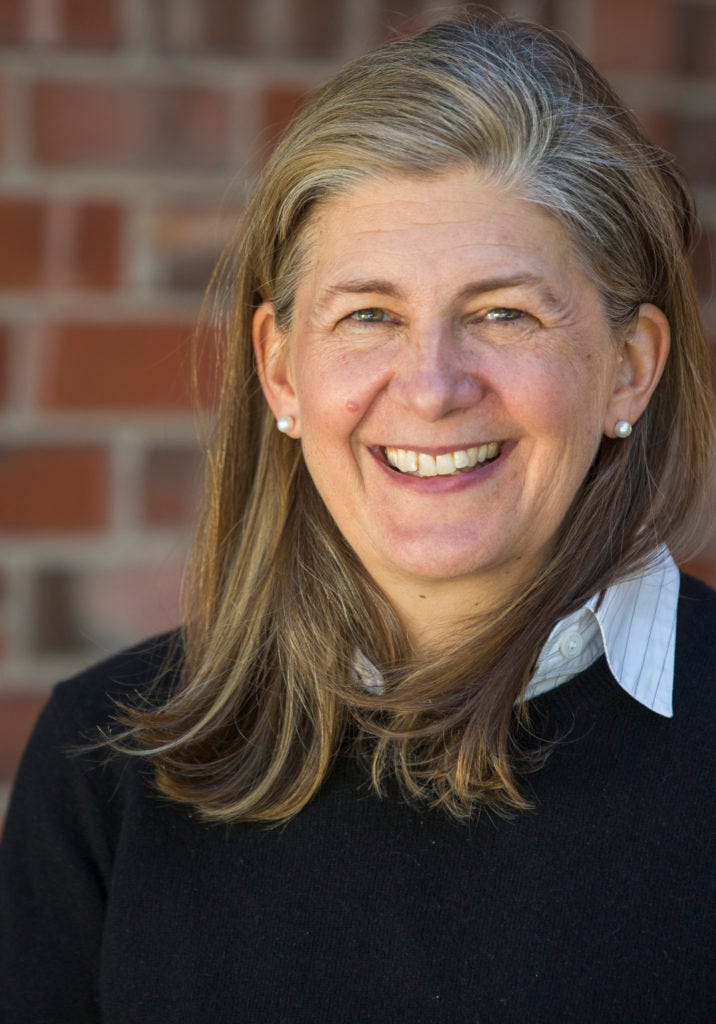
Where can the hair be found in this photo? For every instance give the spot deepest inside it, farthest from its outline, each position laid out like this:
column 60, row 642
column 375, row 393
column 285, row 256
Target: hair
column 277, row 604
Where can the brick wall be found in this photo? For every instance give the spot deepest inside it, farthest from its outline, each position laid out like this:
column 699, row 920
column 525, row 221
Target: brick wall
column 128, row 129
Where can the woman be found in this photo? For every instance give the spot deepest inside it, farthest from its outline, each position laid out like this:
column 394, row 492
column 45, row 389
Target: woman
column 440, row 588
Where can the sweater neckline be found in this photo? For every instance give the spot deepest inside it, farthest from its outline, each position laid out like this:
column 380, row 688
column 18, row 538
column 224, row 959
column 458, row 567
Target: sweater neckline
column 590, row 690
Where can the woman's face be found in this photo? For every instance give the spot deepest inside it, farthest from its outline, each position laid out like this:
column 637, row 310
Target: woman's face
column 451, row 373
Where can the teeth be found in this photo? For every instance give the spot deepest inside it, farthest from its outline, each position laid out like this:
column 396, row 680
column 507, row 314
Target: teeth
column 424, row 465
column 445, row 464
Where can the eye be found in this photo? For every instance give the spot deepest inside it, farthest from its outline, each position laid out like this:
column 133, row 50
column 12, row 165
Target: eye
column 502, row 314
column 503, row 323
column 373, row 315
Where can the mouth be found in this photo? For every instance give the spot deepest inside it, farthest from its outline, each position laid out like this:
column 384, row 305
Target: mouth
column 413, row 462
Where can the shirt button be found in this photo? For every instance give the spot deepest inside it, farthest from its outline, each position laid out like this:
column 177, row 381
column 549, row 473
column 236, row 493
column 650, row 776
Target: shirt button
column 572, row 645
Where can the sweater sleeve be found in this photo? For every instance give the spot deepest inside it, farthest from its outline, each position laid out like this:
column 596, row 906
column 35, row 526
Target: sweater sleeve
column 55, row 861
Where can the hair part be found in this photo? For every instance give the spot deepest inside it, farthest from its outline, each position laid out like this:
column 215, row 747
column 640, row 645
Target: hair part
column 277, row 603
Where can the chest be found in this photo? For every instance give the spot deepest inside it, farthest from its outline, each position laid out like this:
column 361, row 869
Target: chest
column 365, row 910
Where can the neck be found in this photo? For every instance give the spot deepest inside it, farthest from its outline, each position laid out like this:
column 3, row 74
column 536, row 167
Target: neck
column 435, row 613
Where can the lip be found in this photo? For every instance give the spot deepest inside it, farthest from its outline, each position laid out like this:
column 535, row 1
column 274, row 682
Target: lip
column 442, row 484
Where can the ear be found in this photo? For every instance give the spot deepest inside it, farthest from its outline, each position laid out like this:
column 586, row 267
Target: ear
column 274, row 366
column 641, row 364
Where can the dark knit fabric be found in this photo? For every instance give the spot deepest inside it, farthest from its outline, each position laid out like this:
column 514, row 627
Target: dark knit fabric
column 118, row 906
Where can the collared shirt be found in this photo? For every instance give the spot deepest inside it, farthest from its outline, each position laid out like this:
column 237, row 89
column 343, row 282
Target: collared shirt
column 634, row 625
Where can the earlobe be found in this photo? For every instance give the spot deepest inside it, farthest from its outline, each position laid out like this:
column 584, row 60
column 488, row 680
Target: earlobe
column 642, row 360
column 274, row 369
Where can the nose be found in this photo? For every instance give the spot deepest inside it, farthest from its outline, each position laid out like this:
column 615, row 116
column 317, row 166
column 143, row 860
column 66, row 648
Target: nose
column 434, row 375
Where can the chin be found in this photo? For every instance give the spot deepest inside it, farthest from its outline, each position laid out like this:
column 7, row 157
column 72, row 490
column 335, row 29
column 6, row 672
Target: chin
column 444, row 567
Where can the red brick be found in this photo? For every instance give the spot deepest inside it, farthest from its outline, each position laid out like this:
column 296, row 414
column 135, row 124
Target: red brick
column 130, row 126
column 659, row 126
column 279, row 105
column 234, row 28
column 3, row 637
column 311, row 30
column 95, row 124
column 90, row 23
column 403, row 17
column 18, row 714
column 697, row 38
column 4, row 364
column 115, row 605
column 636, row 37
column 122, row 604
column 53, row 488
column 187, row 242
column 695, row 146
column 171, row 483
column 12, row 21
column 23, row 224
column 3, row 118
column 703, row 264
column 84, row 253
column 316, row 28
column 546, row 13
column 137, row 365
column 57, row 629
column 95, row 246
column 159, row 32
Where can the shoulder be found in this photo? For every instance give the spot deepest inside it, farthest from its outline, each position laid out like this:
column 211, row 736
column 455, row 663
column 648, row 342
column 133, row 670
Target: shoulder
column 68, row 744
column 147, row 671
column 697, row 606
column 70, row 790
column 696, row 621
column 695, row 667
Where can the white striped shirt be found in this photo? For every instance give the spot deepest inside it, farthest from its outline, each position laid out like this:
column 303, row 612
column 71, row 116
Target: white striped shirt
column 634, row 626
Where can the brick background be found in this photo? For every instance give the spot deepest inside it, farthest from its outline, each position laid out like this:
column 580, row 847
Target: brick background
column 56, row 488
column 128, row 129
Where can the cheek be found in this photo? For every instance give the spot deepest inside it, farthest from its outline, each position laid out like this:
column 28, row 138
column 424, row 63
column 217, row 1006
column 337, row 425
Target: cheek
column 543, row 394
column 570, row 395
column 339, row 389
column 564, row 432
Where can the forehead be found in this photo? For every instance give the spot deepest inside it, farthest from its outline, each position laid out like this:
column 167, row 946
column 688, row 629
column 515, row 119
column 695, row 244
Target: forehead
column 433, row 229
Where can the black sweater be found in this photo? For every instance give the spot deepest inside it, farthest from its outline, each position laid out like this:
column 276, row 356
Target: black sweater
column 120, row 907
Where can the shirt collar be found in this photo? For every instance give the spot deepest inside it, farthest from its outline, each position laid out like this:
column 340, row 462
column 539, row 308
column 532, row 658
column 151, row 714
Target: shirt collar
column 634, row 626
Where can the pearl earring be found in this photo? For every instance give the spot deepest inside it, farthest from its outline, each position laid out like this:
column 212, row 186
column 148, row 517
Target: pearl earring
column 622, row 428
column 285, row 423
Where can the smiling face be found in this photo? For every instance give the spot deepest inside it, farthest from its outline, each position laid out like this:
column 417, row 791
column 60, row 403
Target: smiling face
column 451, row 373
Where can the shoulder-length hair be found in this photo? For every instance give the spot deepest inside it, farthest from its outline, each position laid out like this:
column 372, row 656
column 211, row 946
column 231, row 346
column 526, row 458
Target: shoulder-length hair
column 277, row 604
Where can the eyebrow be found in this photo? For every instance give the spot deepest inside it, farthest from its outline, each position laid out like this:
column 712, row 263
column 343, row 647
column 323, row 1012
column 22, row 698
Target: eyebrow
column 381, row 286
